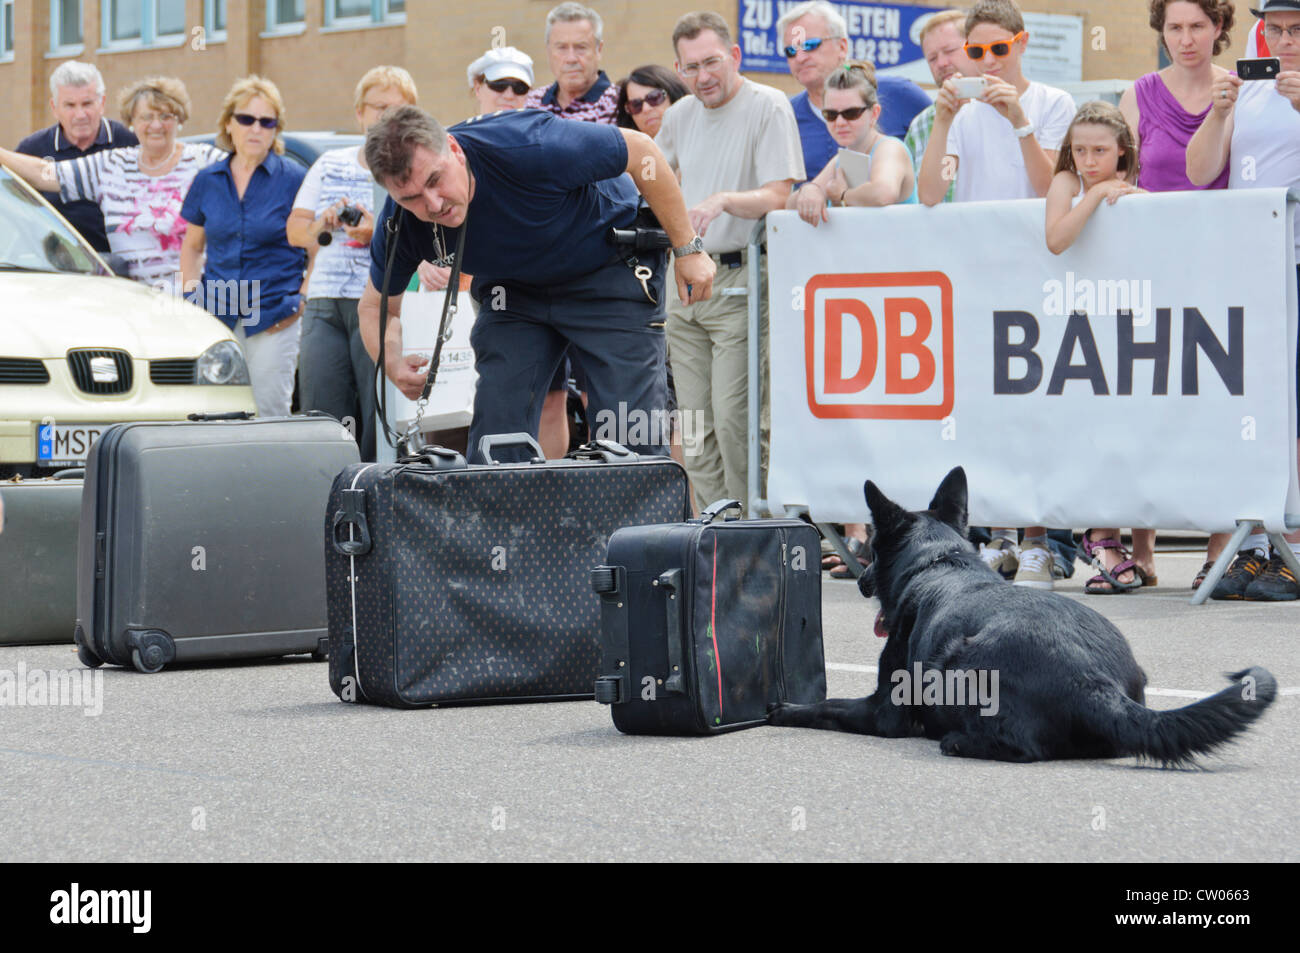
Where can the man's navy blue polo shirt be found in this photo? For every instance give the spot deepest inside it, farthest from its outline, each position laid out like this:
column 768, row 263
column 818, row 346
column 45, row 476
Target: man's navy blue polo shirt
column 246, row 240
column 900, row 101
column 546, row 192
column 53, row 143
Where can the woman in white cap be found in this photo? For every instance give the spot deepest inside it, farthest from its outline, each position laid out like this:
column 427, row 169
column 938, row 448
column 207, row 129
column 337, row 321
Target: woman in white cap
column 501, row 79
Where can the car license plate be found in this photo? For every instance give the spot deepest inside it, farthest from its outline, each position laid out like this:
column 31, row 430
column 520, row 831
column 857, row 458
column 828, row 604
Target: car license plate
column 66, row 444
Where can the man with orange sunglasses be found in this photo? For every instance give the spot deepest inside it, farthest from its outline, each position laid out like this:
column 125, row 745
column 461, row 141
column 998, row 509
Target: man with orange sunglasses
column 1002, row 144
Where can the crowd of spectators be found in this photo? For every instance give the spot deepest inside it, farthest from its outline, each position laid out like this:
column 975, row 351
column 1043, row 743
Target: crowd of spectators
column 182, row 214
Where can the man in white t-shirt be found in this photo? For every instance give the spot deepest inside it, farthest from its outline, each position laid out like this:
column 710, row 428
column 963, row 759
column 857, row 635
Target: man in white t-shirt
column 1255, row 125
column 735, row 144
column 1001, row 145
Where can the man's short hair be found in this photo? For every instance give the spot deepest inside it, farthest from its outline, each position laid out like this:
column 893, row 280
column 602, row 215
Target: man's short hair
column 943, row 18
column 392, row 141
column 691, row 25
column 1003, row 13
column 570, row 12
column 73, row 73
column 835, row 24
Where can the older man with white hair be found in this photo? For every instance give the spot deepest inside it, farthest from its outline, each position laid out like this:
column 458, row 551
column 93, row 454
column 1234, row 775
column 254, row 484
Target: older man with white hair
column 77, row 102
column 574, row 40
column 815, row 40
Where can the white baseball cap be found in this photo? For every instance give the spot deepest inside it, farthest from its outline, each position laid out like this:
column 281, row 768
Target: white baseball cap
column 505, row 62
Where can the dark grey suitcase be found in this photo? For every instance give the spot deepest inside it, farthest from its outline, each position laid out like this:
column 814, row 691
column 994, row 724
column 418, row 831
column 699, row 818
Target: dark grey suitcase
column 38, row 559
column 705, row 624
column 201, row 540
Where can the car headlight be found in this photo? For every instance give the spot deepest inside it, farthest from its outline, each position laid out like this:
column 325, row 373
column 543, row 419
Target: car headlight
column 223, row 363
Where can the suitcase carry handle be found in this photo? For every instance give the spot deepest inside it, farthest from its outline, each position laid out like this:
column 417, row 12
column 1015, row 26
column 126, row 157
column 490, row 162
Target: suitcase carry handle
column 71, row 473
column 670, row 584
column 436, row 458
column 714, row 510
column 353, row 513
column 233, row 415
column 606, row 451
column 497, row 441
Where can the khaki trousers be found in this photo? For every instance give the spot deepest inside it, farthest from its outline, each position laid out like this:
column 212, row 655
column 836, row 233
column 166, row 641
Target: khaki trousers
column 708, row 347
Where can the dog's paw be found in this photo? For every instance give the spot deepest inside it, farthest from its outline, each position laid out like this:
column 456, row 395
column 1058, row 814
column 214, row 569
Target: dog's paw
column 774, row 712
column 950, row 744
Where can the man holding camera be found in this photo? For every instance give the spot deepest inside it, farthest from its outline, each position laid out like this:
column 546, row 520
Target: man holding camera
column 536, row 197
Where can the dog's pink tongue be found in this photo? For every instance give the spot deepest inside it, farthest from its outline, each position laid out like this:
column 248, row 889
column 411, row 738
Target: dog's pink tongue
column 879, row 627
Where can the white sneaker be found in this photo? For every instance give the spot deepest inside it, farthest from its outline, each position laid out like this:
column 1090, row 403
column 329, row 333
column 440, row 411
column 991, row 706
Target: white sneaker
column 1001, row 556
column 1035, row 568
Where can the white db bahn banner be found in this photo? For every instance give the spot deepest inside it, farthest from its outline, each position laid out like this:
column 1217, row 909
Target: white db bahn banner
column 1146, row 377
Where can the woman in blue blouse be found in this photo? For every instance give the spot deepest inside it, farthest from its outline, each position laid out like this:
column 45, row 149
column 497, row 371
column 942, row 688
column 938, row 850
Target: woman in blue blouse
column 236, row 210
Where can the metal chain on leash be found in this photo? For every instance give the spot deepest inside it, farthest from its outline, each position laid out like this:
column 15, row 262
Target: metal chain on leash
column 414, row 440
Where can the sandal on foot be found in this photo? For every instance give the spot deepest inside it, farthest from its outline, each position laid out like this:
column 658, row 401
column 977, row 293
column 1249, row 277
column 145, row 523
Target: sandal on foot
column 843, row 572
column 1092, row 550
column 1200, row 576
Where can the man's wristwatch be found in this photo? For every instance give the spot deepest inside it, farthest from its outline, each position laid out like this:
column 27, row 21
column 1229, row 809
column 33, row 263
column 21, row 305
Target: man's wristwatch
column 696, row 244
column 1026, row 130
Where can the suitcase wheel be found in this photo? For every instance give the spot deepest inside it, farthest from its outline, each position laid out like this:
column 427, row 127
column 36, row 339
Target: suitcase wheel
column 150, row 650
column 604, row 579
column 607, row 690
column 322, row 652
column 88, row 658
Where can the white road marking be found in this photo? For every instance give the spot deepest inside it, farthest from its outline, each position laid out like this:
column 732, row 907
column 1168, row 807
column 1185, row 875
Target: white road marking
column 1168, row 692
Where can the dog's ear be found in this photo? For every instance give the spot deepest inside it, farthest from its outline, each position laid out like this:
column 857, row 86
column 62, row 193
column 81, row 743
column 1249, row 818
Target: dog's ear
column 949, row 503
column 886, row 515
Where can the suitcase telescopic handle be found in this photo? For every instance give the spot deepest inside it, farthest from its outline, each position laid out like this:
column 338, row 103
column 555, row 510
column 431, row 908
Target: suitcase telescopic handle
column 669, row 583
column 499, row 441
column 714, row 510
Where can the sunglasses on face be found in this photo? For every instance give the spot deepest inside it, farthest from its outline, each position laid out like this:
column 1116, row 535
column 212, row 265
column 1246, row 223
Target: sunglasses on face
column 807, row 46
column 653, row 98
column 516, row 86
column 1001, row 49
column 266, row 122
column 849, row 114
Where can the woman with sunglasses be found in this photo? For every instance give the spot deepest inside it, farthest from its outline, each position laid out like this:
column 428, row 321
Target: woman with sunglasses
column 252, row 278
column 500, row 79
column 139, row 188
column 645, row 96
column 851, row 109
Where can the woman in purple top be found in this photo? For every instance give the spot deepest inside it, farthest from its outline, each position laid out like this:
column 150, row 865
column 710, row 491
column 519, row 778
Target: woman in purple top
column 1164, row 109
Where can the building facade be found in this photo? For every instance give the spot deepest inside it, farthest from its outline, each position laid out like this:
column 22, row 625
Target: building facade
column 315, row 50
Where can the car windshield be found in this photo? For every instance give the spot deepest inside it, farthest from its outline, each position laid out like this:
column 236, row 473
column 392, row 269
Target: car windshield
column 33, row 238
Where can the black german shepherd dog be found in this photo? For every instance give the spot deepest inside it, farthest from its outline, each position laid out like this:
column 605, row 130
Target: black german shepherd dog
column 1064, row 681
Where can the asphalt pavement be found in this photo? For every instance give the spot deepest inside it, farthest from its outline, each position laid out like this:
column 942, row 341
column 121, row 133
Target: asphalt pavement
column 259, row 761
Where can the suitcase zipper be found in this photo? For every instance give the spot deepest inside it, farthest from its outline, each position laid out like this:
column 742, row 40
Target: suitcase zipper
column 780, row 631
column 352, row 586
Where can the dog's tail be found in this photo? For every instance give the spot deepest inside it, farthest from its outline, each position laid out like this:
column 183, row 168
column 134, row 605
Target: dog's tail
column 1175, row 737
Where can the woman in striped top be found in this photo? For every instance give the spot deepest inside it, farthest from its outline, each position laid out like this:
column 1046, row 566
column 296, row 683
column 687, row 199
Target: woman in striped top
column 139, row 188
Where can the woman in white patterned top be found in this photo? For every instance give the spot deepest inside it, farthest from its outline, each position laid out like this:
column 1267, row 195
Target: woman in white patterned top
column 139, row 188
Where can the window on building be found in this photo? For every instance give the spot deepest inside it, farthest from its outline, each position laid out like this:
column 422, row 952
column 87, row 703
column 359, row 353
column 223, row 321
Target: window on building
column 169, row 17
column 348, row 13
column 125, row 20
column 284, row 13
column 214, row 18
column 65, row 24
column 7, row 29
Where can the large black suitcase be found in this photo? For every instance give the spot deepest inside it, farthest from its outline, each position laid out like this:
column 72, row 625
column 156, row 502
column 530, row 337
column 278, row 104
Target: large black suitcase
column 457, row 583
column 38, row 559
column 201, row 539
column 705, row 624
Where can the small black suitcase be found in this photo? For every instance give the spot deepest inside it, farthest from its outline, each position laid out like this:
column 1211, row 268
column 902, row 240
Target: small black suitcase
column 705, row 624
column 38, row 559
column 452, row 583
column 200, row 539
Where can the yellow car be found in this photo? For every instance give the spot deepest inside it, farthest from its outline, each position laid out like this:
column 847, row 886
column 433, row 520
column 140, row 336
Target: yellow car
column 81, row 348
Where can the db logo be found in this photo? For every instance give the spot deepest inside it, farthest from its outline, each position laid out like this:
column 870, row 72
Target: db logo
column 879, row 345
